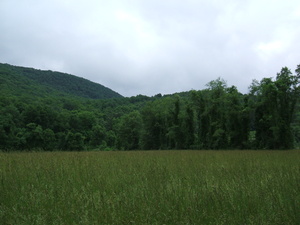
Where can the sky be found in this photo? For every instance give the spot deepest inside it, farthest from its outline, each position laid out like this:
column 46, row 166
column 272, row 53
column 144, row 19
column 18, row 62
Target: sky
column 153, row 46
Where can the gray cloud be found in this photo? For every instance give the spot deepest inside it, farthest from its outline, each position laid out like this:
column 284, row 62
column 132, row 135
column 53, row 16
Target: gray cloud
column 149, row 47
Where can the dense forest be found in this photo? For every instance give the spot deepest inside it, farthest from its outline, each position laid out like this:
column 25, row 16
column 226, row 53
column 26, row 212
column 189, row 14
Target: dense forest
column 45, row 110
column 31, row 83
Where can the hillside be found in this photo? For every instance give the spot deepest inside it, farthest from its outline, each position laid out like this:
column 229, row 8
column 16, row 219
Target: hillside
column 44, row 110
column 29, row 82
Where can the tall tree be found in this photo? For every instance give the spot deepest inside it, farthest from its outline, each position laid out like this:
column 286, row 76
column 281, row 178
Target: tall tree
column 215, row 111
column 236, row 119
column 288, row 93
column 129, row 131
column 274, row 109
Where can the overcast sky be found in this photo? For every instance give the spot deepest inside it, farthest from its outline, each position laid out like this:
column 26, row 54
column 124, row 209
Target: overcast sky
column 153, row 46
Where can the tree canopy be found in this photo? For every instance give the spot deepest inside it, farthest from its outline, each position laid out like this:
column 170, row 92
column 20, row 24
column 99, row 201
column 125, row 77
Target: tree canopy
column 52, row 111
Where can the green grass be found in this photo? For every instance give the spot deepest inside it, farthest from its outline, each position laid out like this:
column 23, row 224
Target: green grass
column 150, row 187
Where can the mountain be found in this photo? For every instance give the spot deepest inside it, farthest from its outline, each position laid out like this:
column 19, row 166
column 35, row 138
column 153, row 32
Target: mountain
column 29, row 82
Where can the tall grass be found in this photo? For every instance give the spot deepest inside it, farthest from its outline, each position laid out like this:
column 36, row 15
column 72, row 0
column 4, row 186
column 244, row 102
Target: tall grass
column 154, row 187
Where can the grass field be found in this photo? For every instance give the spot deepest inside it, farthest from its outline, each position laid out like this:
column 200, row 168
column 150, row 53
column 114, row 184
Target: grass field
column 150, row 187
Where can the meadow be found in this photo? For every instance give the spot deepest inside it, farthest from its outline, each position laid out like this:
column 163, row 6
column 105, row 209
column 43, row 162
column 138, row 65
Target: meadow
column 150, row 187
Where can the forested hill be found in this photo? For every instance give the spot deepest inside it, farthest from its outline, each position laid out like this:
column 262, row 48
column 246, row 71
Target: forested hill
column 29, row 82
column 43, row 110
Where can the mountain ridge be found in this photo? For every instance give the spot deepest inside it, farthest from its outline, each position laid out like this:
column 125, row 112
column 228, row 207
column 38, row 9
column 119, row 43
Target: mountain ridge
column 18, row 80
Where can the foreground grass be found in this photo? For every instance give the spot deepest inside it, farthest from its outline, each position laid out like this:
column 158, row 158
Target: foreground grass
column 161, row 187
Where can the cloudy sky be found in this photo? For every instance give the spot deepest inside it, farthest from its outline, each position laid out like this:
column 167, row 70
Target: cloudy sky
column 153, row 46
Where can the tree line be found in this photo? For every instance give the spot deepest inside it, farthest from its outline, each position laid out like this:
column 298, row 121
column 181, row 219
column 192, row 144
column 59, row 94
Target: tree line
column 218, row 117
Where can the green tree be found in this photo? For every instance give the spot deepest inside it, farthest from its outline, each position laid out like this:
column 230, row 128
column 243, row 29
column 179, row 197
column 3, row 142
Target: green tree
column 129, row 131
column 160, row 124
column 98, row 135
column 188, row 127
column 33, row 136
column 236, row 119
column 74, row 141
column 40, row 114
column 215, row 113
column 266, row 115
column 275, row 103
column 288, row 93
column 49, row 140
